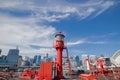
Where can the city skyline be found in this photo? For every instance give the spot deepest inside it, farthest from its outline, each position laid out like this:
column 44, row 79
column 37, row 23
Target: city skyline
column 90, row 27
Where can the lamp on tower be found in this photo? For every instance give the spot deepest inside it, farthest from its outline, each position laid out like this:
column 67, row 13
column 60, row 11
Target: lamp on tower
column 60, row 36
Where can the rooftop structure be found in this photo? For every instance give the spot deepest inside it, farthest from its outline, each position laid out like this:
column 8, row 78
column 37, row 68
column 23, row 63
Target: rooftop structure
column 116, row 58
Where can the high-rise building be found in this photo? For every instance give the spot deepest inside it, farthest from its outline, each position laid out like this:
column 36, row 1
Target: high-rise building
column 20, row 59
column 2, row 60
column 84, row 62
column 12, row 57
column 38, row 60
column 35, row 57
column 47, row 58
column 3, row 57
column 73, row 62
column 93, row 59
column 31, row 61
column 26, row 61
column 107, row 61
column 76, row 58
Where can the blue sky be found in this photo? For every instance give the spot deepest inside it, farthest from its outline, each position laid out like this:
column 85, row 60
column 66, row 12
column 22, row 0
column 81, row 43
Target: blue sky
column 90, row 26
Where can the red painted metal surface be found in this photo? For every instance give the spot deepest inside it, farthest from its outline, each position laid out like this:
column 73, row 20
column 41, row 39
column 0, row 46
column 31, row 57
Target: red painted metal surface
column 101, row 71
column 28, row 74
column 59, row 48
column 47, row 68
column 59, row 62
column 45, row 72
column 7, row 75
column 69, row 65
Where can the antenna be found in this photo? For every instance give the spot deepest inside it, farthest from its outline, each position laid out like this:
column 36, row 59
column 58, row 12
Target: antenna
column 17, row 47
column 0, row 51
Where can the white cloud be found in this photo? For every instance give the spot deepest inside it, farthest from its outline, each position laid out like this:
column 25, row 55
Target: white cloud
column 57, row 10
column 105, row 6
column 84, row 41
column 29, row 27
column 97, row 42
column 15, row 32
column 76, row 43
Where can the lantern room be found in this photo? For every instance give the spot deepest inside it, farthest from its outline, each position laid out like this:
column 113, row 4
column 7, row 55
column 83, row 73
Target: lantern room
column 59, row 36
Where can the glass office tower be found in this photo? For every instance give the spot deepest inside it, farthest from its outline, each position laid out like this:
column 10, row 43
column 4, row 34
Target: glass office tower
column 12, row 57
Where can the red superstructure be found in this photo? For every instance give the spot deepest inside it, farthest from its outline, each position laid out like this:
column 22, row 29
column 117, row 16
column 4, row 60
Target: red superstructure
column 53, row 70
column 28, row 74
column 59, row 46
column 101, row 71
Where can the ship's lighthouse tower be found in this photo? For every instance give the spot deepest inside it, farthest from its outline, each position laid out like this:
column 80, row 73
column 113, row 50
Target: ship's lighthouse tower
column 59, row 46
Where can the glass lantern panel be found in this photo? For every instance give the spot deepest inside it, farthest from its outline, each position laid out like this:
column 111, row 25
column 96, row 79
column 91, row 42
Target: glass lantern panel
column 61, row 38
